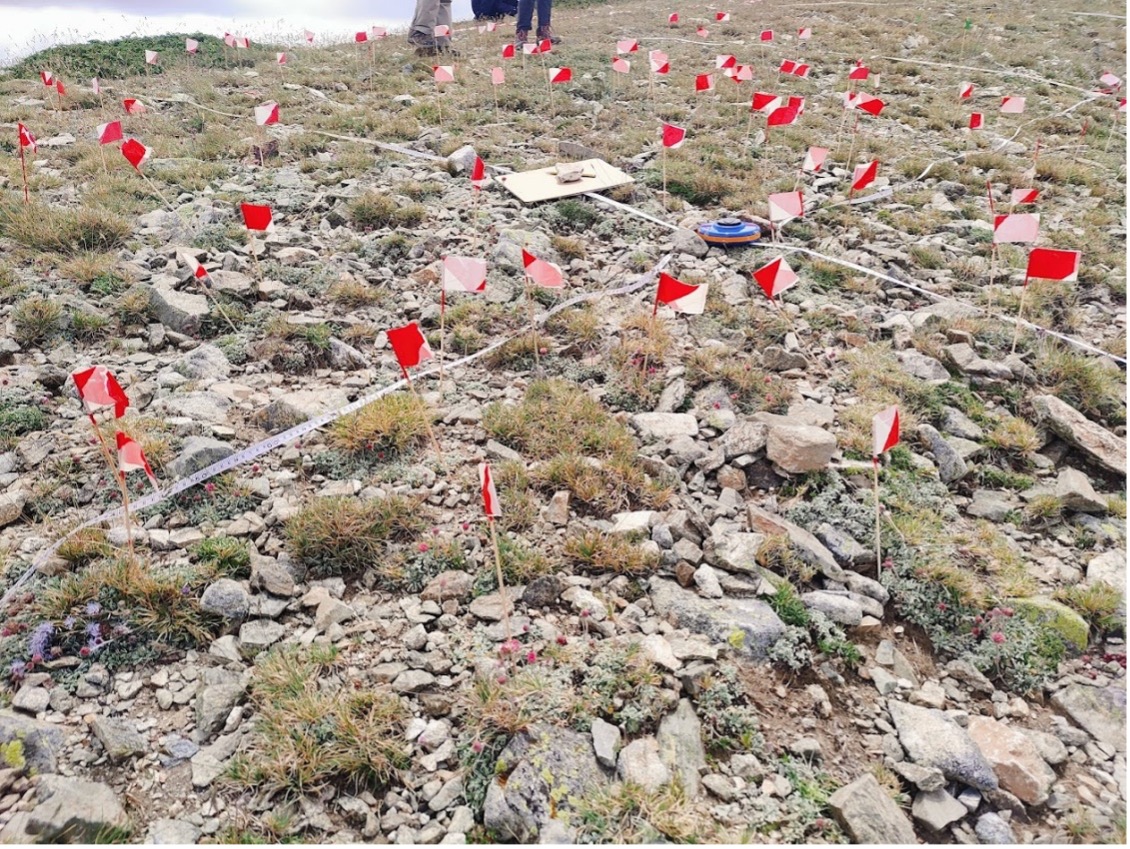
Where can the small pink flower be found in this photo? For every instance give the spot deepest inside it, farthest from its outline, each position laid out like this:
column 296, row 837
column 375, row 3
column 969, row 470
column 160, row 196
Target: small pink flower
column 209, row 487
column 477, row 746
column 997, row 637
column 466, row 526
column 255, row 469
column 976, row 632
column 531, row 656
column 585, row 613
column 543, row 351
column 943, row 606
column 1007, row 611
column 501, row 679
column 84, row 651
column 562, row 640
column 511, row 646
column 423, row 547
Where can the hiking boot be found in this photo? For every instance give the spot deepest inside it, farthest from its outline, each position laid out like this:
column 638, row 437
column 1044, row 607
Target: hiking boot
column 445, row 48
column 422, row 41
column 521, row 37
column 547, row 32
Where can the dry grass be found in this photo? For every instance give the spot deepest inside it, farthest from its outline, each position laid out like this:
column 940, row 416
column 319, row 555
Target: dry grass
column 389, row 426
column 64, row 231
column 619, row 554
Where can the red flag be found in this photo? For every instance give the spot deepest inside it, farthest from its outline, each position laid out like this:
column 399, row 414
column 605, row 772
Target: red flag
column 814, row 159
column 804, row 33
column 673, row 137
column 132, row 458
column 1051, row 264
column 560, row 75
column 681, row 297
column 785, row 206
column 627, row 45
column 884, row 431
column 191, row 45
column 409, row 345
column 464, row 274
column 266, row 113
column 490, row 496
column 621, row 65
column 673, row 18
column 775, row 277
column 966, row 90
column 151, row 57
column 280, row 58
column 135, row 152
column 26, row 138
column 864, row 175
column 478, row 173
column 784, row 115
column 765, row 102
column 976, row 120
column 1024, row 196
column 229, row 39
column 722, row 17
column 725, row 60
column 255, row 217
column 442, row 31
column 659, row 62
column 361, row 37
column 545, row 46
column 859, row 72
column 47, row 77
column 767, row 35
column 702, row 32
column 508, row 51
column 133, row 107
column 1018, row 228
column 97, row 388
column 548, row 275
column 870, row 105
column 787, row 66
column 59, row 87
column 109, row 132
column 444, row 73
column 704, row 82
column 1012, row 105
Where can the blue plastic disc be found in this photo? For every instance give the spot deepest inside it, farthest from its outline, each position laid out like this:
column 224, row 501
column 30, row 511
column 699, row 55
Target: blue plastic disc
column 729, row 231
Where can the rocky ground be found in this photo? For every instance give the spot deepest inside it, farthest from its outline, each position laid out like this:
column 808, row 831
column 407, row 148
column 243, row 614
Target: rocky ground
column 696, row 641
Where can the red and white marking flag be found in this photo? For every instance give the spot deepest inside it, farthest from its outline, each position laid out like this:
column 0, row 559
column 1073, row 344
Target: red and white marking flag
column 361, row 37
column 151, row 57
column 627, row 45
column 966, row 91
column 775, row 277
column 797, row 69
column 884, row 431
column 1051, row 264
column 704, row 82
column 444, row 73
column 380, row 32
column 546, row 274
column 135, row 153
column 199, row 272
column 1017, row 228
column 976, row 120
column 560, row 75
column 766, row 35
column 280, row 58
column 814, row 159
column 497, row 76
column 489, row 26
column 47, row 77
column 702, row 32
column 478, row 174
column 1012, row 105
column 725, row 60
column 309, row 36
column 266, row 113
column 1024, row 196
column 859, row 72
column 864, row 175
column 490, row 496
column 673, row 137
column 763, row 101
column 787, row 114
column 243, row 43
column 785, row 206
column 191, row 45
column 26, row 138
column 229, row 39
column 673, row 18
column 621, row 65
column 109, row 132
column 98, row 388
column 722, row 17
column 659, row 62
column 1110, row 80
column 804, row 33
column 681, row 297
column 131, row 458
column 409, row 345
column 508, row 51
column 739, row 73
column 133, row 107
column 464, row 274
column 870, row 105
column 60, row 88
column 256, row 216
column 545, row 46
column 442, row 31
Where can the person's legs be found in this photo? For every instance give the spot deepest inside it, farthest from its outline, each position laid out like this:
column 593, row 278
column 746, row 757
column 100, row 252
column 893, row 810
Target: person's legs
column 525, row 20
column 545, row 11
column 424, row 21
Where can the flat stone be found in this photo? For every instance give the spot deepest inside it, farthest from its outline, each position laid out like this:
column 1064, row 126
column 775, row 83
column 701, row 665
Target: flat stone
column 809, row 548
column 292, row 408
column 662, row 427
column 868, row 815
column 171, row 832
column 1108, row 568
column 640, row 764
column 680, row 747
column 923, row 367
column 800, row 449
column 745, row 437
column 936, row 809
column 177, row 310
column 1068, row 423
column 734, row 552
column 204, row 362
column 838, row 608
column 490, row 608
column 951, row 466
column 636, row 522
column 81, row 811
column 1100, row 711
column 933, row 739
column 11, row 507
column 846, row 550
column 219, row 691
column 606, row 742
column 451, row 584
column 227, row 599
column 413, row 681
column 922, row 777
column 557, row 511
column 748, row 624
column 31, row 699
column 991, row 505
column 42, row 742
column 991, row 830
column 120, row 740
column 269, row 575
column 1014, row 758
column 258, row 635
column 658, row 651
column 199, row 452
column 706, row 581
column 1075, row 491
column 956, row 423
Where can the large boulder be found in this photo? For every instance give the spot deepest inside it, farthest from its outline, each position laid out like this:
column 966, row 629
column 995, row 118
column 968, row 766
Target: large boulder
column 537, row 775
column 746, row 623
column 931, row 738
column 1058, row 617
column 1014, row 758
column 869, row 815
column 42, row 742
column 179, row 311
column 1068, row 423
column 799, row 448
column 69, row 810
column 1100, row 711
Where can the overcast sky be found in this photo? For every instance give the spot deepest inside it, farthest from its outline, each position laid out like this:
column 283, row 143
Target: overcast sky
column 31, row 25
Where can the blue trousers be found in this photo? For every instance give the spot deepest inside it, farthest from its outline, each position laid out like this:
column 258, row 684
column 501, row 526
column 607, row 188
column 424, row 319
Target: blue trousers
column 526, row 13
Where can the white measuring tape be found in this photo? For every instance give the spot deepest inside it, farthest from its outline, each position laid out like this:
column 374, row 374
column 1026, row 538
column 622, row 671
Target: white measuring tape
column 298, row 431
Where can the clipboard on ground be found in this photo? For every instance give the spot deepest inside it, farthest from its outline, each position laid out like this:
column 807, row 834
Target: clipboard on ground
column 541, row 184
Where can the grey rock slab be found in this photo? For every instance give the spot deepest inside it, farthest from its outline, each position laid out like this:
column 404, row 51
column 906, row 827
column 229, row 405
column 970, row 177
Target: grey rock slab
column 640, row 764
column 413, row 681
column 810, row 549
column 991, row 830
column 172, row 832
column 449, row 793
column 923, row 367
column 1101, row 711
column 292, row 408
column 74, row 810
column 869, row 815
column 1075, row 491
column 1017, row 762
column 452, row 584
column 259, row 635
column 951, row 466
column 800, row 449
column 991, row 505
column 680, row 747
column 734, row 552
column 745, row 437
column 1049, row 746
column 931, row 738
column 544, row 768
column 42, row 742
column 845, row 549
column 721, row 619
column 179, row 311
column 204, row 362
column 1108, row 568
column 219, row 691
column 956, row 423
column 922, row 777
column 226, row 598
column 269, row 575
column 491, row 608
column 936, row 809
column 11, row 507
column 662, row 427
column 1068, row 423
column 120, row 740
column 838, row 608
column 706, row 581
column 606, row 742
column 31, row 699
column 199, row 452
